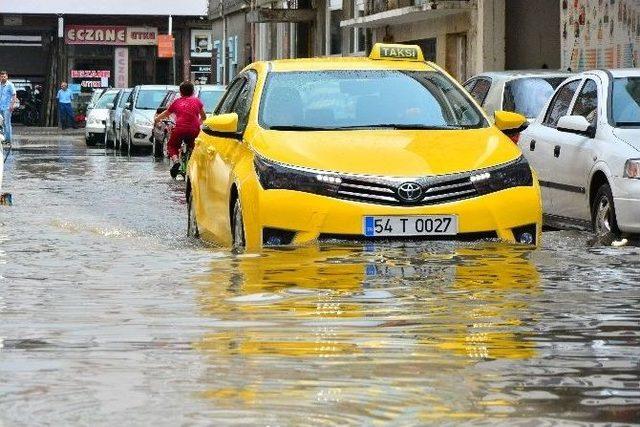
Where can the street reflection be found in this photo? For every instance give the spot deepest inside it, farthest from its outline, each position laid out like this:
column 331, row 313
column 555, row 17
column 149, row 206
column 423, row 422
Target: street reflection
column 288, row 325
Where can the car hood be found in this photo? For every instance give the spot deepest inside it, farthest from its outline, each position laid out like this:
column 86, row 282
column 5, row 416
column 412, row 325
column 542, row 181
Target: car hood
column 388, row 152
column 98, row 113
column 630, row 136
column 149, row 114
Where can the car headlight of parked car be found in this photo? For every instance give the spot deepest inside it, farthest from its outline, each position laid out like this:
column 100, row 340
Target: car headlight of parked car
column 274, row 175
column 514, row 174
column 632, row 169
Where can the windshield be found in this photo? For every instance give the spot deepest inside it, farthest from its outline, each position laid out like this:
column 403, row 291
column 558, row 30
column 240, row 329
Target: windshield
column 105, row 99
column 361, row 99
column 210, row 99
column 123, row 98
column 625, row 106
column 527, row 96
column 150, row 99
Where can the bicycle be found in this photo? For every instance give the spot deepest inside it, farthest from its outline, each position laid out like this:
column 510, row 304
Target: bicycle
column 185, row 154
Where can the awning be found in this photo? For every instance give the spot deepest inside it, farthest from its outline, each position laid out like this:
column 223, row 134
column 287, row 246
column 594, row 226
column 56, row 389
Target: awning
column 409, row 14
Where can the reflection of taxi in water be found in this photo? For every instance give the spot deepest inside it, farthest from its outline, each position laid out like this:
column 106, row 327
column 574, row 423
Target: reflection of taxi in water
column 385, row 146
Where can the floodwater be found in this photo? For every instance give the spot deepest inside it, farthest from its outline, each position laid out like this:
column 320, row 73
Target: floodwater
column 110, row 316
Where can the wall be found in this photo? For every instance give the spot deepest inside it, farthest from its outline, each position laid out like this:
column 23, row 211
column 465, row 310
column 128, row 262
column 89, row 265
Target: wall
column 532, row 34
column 600, row 33
column 110, row 7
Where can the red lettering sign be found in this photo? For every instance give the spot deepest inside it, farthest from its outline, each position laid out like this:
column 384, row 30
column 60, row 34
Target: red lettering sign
column 95, row 34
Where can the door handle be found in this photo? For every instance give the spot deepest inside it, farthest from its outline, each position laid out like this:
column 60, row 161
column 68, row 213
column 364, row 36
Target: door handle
column 532, row 145
column 556, row 151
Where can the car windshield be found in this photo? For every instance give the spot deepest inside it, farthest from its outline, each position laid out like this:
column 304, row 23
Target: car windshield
column 105, row 99
column 123, row 98
column 527, row 96
column 332, row 100
column 210, row 99
column 150, row 99
column 625, row 106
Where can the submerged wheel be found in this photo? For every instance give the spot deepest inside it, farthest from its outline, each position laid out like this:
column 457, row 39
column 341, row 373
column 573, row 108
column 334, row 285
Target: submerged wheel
column 603, row 213
column 237, row 226
column 192, row 223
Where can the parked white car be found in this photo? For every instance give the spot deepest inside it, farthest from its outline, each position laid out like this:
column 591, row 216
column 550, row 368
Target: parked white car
column 585, row 147
column 97, row 117
column 522, row 92
column 137, row 116
column 115, row 117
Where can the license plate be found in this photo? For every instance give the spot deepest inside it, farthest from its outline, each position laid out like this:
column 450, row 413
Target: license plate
column 428, row 225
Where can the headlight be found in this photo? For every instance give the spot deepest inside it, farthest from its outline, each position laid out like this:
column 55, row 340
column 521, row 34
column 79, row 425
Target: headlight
column 273, row 175
column 515, row 174
column 632, row 169
column 142, row 121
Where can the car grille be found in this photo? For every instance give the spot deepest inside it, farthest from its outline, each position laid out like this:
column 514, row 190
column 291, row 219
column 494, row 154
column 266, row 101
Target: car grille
column 435, row 190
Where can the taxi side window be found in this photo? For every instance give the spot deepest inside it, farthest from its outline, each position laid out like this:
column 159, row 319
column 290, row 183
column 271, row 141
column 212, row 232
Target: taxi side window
column 242, row 105
column 226, row 106
column 560, row 104
column 587, row 102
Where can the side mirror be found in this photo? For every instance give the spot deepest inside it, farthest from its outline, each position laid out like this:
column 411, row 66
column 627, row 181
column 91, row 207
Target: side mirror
column 576, row 124
column 127, row 106
column 506, row 120
column 89, row 107
column 223, row 123
column 110, row 106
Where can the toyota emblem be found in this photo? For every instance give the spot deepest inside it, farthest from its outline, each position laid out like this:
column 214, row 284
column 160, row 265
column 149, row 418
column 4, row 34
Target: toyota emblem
column 409, row 192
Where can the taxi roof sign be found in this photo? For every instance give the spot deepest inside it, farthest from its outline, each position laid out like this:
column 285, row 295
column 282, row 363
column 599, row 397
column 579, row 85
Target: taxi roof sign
column 397, row 52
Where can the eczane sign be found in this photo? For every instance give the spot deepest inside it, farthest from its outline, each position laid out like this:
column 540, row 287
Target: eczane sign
column 110, row 35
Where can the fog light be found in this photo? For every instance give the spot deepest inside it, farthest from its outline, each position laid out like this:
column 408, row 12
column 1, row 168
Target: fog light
column 526, row 238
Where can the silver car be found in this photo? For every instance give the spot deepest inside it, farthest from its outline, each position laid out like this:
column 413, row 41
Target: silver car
column 210, row 95
column 523, row 92
column 138, row 113
column 97, row 117
column 115, row 117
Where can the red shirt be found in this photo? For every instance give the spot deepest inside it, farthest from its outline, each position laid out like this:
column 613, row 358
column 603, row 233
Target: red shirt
column 187, row 112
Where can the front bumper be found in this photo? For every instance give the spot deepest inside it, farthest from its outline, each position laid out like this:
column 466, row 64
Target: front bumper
column 626, row 198
column 94, row 131
column 310, row 216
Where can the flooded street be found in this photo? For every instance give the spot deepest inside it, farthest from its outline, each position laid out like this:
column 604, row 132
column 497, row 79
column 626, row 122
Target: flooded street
column 110, row 315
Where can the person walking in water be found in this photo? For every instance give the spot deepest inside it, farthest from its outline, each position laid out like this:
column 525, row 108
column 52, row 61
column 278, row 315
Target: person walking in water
column 64, row 106
column 7, row 102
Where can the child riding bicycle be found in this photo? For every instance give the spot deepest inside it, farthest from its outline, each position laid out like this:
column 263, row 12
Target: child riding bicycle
column 189, row 113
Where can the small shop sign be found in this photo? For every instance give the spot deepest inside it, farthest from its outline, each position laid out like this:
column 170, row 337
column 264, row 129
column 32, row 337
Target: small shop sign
column 90, row 74
column 165, row 46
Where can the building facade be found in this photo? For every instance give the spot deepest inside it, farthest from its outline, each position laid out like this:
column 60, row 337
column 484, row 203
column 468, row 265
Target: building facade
column 111, row 44
column 464, row 36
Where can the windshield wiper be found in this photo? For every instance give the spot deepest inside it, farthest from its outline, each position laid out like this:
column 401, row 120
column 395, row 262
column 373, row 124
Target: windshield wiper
column 299, row 127
column 402, row 126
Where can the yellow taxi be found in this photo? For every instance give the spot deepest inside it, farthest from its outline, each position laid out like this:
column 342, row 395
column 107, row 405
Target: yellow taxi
column 388, row 146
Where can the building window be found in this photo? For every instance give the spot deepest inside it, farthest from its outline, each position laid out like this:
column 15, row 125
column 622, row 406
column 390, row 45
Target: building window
column 358, row 33
column 334, row 32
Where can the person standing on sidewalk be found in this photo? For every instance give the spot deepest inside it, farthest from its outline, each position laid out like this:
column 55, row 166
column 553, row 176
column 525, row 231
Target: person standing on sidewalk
column 7, row 101
column 64, row 106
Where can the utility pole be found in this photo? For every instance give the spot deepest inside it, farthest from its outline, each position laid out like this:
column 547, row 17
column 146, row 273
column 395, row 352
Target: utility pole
column 173, row 58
